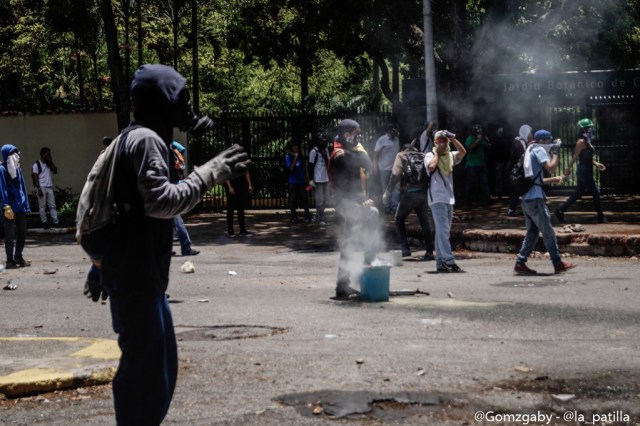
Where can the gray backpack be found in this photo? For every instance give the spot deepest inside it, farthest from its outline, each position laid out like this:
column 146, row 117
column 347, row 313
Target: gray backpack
column 97, row 210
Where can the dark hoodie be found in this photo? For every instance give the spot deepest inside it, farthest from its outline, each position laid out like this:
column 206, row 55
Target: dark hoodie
column 138, row 263
column 12, row 191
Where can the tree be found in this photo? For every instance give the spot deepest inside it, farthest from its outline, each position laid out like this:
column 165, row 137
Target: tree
column 119, row 81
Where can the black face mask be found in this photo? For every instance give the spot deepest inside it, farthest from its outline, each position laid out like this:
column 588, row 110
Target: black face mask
column 185, row 119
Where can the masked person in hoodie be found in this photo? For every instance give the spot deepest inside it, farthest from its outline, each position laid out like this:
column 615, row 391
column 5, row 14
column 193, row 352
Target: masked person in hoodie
column 135, row 269
column 15, row 206
column 356, row 211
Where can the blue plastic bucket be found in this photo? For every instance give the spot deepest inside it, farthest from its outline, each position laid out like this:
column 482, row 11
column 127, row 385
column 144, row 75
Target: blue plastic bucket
column 374, row 283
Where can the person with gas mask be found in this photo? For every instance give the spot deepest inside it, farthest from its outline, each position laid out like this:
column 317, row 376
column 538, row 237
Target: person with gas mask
column 318, row 161
column 15, row 206
column 476, row 167
column 135, row 269
column 584, row 154
column 540, row 155
column 359, row 218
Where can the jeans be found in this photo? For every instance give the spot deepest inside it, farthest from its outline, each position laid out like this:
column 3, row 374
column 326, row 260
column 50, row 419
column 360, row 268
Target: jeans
column 584, row 182
column 15, row 229
column 442, row 216
column 385, row 176
column 146, row 378
column 321, row 195
column 183, row 235
column 537, row 219
column 477, row 174
column 413, row 201
column 47, row 200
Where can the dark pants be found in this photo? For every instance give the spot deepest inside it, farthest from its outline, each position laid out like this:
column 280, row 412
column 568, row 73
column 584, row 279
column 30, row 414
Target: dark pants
column 477, row 174
column 298, row 198
column 235, row 202
column 146, row 378
column 417, row 202
column 15, row 229
column 585, row 182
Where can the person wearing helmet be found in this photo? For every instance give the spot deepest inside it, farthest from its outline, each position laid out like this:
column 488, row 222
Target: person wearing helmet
column 135, row 266
column 318, row 161
column 540, row 155
column 355, row 209
column 584, row 154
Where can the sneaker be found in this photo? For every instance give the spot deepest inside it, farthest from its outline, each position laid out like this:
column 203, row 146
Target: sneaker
column 11, row 264
column 322, row 223
column 563, row 267
column 191, row 252
column 602, row 220
column 346, row 292
column 294, row 220
column 406, row 253
column 232, row 235
column 428, row 256
column 22, row 263
column 449, row 268
column 246, row 234
column 46, row 225
column 513, row 213
column 560, row 216
column 522, row 269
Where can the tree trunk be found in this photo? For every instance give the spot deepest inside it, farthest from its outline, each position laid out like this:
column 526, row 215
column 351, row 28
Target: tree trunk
column 139, row 35
column 81, row 96
column 119, row 83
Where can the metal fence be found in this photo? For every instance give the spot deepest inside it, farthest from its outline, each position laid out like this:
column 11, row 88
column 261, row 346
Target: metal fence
column 267, row 139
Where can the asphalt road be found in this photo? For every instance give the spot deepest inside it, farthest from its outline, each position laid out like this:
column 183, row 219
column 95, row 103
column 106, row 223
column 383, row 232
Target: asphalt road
column 266, row 345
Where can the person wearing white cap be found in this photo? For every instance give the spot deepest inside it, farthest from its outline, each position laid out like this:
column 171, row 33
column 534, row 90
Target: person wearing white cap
column 541, row 154
column 439, row 163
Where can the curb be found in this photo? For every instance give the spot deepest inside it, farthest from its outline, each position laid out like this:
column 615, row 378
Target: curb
column 67, row 362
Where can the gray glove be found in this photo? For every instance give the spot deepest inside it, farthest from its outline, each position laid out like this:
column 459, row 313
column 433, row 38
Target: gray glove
column 94, row 291
column 229, row 164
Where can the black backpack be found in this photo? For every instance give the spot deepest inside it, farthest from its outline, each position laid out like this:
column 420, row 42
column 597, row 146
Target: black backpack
column 519, row 184
column 415, row 173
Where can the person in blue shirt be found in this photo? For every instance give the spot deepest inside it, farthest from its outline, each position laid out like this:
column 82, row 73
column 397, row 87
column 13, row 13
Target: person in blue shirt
column 541, row 155
column 15, row 206
column 298, row 196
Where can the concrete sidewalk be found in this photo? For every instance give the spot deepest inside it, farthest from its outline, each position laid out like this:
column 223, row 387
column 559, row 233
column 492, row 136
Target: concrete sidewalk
column 489, row 229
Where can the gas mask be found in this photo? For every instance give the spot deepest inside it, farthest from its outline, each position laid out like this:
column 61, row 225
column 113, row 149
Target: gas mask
column 185, row 119
column 13, row 164
column 161, row 102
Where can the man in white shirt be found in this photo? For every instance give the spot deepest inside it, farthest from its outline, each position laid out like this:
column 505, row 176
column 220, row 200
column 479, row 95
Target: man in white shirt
column 318, row 161
column 439, row 163
column 384, row 155
column 43, row 183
